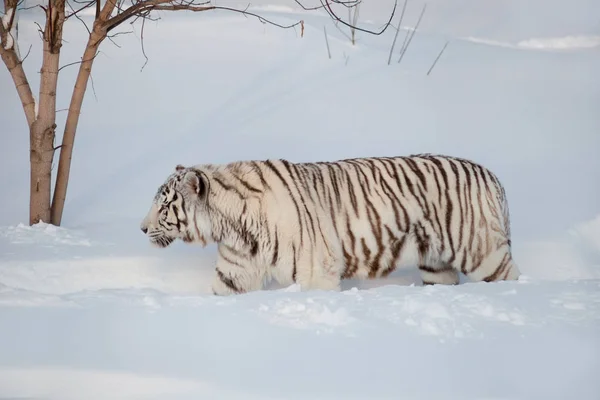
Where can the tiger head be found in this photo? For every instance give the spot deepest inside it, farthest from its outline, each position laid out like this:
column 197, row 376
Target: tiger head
column 179, row 209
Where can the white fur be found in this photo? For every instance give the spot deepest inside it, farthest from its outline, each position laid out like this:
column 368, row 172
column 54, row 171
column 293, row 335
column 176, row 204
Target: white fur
column 276, row 220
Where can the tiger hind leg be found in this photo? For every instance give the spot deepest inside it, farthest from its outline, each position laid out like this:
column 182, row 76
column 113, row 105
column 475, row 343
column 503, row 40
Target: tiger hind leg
column 441, row 274
column 498, row 265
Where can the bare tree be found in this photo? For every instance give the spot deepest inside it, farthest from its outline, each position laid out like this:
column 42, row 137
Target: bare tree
column 41, row 114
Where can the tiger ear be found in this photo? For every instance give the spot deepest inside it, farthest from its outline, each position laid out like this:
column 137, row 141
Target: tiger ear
column 196, row 182
column 179, row 167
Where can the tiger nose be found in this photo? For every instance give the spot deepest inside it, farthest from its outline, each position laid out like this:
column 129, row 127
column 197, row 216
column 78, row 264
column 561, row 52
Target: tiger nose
column 145, row 230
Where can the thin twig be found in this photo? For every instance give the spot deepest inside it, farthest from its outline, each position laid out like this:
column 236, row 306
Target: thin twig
column 437, row 58
column 74, row 13
column 26, row 55
column 412, row 33
column 345, row 3
column 327, row 42
column 40, row 31
column 354, row 22
column 120, row 33
column 30, row 7
column 113, row 42
column 145, row 7
column 350, row 19
column 77, row 62
column 112, row 36
column 143, row 50
column 327, row 7
column 93, row 87
column 397, row 31
column 405, row 41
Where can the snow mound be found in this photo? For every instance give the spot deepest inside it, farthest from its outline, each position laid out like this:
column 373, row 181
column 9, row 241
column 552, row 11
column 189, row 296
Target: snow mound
column 561, row 43
column 573, row 255
column 489, row 42
column 588, row 233
column 550, row 43
column 43, row 234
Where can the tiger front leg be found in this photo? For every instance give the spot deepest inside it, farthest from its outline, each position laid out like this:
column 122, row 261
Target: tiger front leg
column 236, row 276
column 322, row 272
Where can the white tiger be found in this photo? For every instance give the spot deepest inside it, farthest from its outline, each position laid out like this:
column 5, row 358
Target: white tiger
column 317, row 223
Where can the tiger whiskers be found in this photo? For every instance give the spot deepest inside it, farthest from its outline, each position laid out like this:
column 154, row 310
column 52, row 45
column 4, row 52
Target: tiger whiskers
column 161, row 240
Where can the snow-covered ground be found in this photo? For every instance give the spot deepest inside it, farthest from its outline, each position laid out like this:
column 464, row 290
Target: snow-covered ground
column 90, row 310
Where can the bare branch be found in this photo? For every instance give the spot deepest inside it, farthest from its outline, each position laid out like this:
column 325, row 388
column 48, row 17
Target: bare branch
column 143, row 8
column 87, row 5
column 246, row 13
column 27, row 55
column 15, row 68
column 120, row 33
column 40, row 29
column 326, row 5
column 353, row 21
column 349, row 3
column 114, row 35
column 74, row 13
column 77, row 62
column 30, row 7
column 113, row 42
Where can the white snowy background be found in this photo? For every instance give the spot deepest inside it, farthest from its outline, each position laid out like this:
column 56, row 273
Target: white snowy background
column 91, row 311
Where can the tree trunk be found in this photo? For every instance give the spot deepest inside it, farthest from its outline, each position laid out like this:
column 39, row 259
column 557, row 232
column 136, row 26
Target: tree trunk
column 42, row 140
column 40, row 158
column 42, row 131
column 66, row 150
